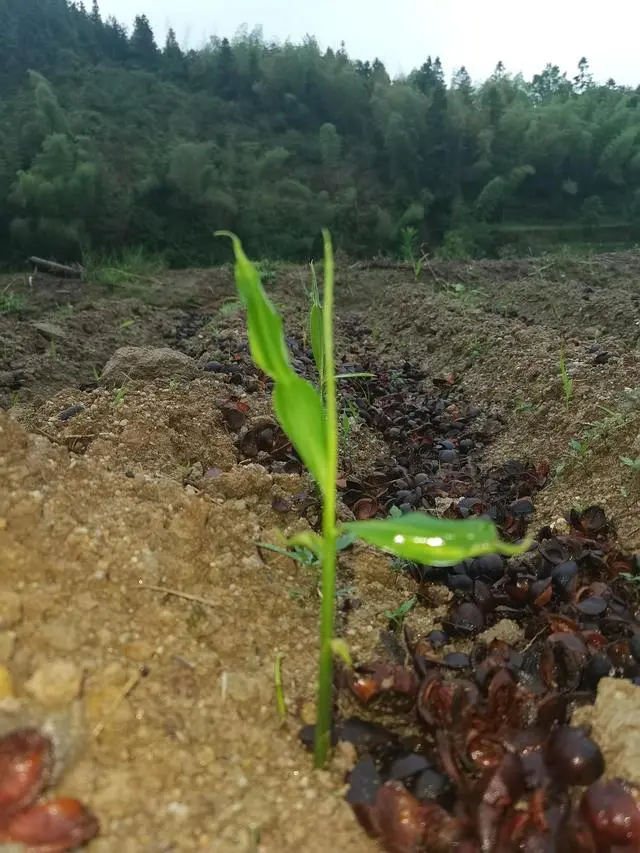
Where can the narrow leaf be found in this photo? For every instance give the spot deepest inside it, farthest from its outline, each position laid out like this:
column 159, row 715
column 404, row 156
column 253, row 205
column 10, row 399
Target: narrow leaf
column 264, row 324
column 433, row 541
column 316, row 323
column 299, row 409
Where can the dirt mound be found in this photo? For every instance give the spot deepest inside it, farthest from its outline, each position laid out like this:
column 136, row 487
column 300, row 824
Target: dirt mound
column 196, row 755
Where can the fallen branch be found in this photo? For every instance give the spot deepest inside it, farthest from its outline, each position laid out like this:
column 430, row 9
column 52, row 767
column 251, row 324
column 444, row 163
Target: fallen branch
column 68, row 271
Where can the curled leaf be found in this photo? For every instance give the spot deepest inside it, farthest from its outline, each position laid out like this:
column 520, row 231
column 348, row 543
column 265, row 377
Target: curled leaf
column 341, row 650
column 433, row 541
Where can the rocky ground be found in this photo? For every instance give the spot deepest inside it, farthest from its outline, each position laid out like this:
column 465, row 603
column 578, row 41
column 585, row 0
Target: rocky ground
column 140, row 621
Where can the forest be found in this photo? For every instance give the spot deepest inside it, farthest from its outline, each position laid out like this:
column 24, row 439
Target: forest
column 110, row 141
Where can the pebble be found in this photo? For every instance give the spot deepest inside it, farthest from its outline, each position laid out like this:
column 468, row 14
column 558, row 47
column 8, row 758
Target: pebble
column 506, row 630
column 55, row 684
column 10, row 609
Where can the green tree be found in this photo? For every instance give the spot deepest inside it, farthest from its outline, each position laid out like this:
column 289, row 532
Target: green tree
column 143, row 49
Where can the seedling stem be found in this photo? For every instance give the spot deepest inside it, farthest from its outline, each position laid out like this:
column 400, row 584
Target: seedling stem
column 325, row 682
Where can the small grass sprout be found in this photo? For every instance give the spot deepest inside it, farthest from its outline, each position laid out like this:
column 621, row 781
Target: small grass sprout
column 120, row 394
column 12, row 303
column 396, row 617
column 409, row 249
column 309, row 417
column 627, row 461
column 567, row 381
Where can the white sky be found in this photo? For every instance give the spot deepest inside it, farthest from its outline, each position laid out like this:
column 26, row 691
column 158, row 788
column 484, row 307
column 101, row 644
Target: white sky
column 525, row 36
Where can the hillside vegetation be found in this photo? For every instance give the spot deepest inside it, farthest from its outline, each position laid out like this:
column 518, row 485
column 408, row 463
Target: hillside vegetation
column 109, row 141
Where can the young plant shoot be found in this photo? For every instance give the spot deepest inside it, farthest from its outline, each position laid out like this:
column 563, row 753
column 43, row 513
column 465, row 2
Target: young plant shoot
column 310, row 420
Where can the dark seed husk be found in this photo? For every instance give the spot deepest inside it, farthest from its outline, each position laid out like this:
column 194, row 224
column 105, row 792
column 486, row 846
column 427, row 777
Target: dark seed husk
column 593, row 606
column 466, row 620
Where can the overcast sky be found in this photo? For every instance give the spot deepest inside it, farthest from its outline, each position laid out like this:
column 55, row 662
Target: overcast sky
column 525, row 36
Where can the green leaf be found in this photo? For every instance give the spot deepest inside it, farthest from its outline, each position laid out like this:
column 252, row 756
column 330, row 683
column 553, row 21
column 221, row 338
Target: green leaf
column 304, row 556
column 345, row 541
column 316, row 323
column 299, row 409
column 264, row 324
column 341, row 650
column 307, row 539
column 433, row 541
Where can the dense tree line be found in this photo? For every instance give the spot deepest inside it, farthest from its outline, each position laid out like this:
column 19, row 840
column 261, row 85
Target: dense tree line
column 108, row 140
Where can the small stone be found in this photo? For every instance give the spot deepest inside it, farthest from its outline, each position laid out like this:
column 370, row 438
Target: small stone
column 308, row 714
column 10, row 609
column 6, row 683
column 560, row 527
column 71, row 412
column 130, row 363
column 506, row 629
column 55, row 684
column 51, row 331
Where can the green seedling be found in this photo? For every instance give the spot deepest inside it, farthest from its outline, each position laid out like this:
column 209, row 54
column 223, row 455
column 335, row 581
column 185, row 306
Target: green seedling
column 397, row 616
column 301, row 555
column 409, row 248
column 121, row 393
column 580, row 447
column 12, row 303
column 341, row 650
column 567, row 381
column 267, row 270
column 304, row 555
column 634, row 464
column 399, row 565
column 229, row 307
column 310, row 420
